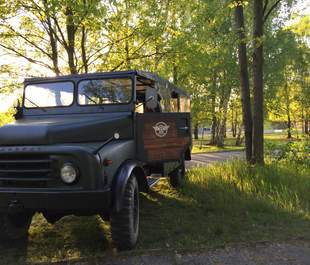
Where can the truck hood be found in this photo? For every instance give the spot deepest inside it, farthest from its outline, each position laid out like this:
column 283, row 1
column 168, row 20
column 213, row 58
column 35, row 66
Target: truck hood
column 66, row 129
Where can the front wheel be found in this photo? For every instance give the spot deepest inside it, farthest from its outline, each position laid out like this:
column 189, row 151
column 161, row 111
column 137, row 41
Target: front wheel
column 15, row 226
column 177, row 176
column 125, row 223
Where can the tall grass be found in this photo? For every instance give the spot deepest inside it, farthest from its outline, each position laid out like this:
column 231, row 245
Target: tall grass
column 220, row 204
column 282, row 186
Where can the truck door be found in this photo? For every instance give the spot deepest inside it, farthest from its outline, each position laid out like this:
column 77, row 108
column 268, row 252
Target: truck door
column 162, row 136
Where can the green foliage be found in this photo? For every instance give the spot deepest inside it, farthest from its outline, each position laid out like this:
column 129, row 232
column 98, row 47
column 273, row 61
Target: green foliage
column 291, row 152
column 287, row 73
column 191, row 43
column 7, row 117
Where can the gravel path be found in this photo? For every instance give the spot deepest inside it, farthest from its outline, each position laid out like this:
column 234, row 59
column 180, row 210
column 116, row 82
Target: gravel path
column 289, row 253
column 204, row 159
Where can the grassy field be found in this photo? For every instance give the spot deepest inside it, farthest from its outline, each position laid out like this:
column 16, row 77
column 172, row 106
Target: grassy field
column 203, row 146
column 221, row 204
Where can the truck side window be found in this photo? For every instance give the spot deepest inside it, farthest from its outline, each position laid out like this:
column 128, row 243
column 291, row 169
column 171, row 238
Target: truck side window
column 174, row 105
column 184, row 104
column 139, row 107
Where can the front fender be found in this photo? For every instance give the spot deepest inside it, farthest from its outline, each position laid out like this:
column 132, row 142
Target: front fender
column 121, row 179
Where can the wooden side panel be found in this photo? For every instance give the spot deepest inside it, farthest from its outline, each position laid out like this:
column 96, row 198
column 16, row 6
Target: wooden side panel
column 161, row 136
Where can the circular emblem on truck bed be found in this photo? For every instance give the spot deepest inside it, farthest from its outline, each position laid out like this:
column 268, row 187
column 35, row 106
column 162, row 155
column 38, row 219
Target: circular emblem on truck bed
column 161, row 129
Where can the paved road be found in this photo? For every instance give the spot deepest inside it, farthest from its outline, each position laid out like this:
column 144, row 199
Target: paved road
column 287, row 253
column 204, row 159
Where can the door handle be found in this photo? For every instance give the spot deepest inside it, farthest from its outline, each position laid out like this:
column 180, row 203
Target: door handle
column 185, row 128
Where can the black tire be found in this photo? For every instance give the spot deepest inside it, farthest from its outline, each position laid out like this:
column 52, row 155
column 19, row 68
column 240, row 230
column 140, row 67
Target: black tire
column 125, row 223
column 177, row 176
column 15, row 226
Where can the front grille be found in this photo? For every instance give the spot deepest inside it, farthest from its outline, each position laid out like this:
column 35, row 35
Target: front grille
column 25, row 170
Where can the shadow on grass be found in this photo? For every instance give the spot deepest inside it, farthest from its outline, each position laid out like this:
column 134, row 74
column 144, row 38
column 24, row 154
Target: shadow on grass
column 70, row 238
column 214, row 210
column 211, row 210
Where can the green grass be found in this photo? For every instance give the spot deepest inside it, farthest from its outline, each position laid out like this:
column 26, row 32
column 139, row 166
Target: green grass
column 211, row 148
column 221, row 204
column 233, row 202
column 203, row 146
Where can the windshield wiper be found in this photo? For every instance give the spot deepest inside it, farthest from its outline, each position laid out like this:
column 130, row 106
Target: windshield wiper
column 36, row 105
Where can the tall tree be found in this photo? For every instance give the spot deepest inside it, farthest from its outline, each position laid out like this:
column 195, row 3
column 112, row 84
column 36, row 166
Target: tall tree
column 258, row 86
column 244, row 78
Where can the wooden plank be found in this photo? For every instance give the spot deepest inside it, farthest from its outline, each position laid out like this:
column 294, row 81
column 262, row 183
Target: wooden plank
column 169, row 147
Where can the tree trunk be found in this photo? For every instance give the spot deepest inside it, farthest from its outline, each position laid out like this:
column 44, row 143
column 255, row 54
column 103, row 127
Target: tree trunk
column 244, row 77
column 258, row 93
column 239, row 139
column 288, row 110
column 196, row 131
column 289, row 126
column 307, row 122
column 214, row 124
column 220, row 136
column 54, row 53
column 223, row 115
column 213, row 130
column 83, row 49
column 233, row 130
column 175, row 74
column 222, row 130
column 128, row 64
column 214, row 121
column 302, row 121
column 52, row 39
column 71, row 40
column 127, row 46
column 233, row 121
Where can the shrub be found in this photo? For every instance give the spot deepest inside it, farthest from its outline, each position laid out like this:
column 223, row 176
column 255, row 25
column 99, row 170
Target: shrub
column 298, row 152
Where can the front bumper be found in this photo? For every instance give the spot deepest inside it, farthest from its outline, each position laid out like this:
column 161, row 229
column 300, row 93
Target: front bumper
column 58, row 201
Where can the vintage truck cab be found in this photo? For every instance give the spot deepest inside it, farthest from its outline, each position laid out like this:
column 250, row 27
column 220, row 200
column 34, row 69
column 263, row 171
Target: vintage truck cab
column 88, row 144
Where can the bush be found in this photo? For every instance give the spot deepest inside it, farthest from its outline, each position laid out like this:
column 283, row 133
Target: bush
column 298, row 152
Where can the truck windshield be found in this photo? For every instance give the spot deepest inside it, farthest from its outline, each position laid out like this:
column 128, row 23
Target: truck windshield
column 105, row 91
column 49, row 95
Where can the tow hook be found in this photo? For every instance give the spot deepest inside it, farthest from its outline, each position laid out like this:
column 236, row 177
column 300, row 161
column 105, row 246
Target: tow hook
column 15, row 206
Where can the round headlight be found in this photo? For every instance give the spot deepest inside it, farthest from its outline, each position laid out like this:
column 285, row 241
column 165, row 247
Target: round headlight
column 68, row 173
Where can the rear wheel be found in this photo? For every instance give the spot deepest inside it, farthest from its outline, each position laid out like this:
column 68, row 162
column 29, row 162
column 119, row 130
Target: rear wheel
column 177, row 176
column 125, row 223
column 14, row 226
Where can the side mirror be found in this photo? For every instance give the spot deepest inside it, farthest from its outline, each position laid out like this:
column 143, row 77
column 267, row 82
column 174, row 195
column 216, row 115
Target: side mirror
column 19, row 110
column 151, row 98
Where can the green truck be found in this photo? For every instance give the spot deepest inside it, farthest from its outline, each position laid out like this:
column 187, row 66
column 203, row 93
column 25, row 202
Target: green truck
column 88, row 144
